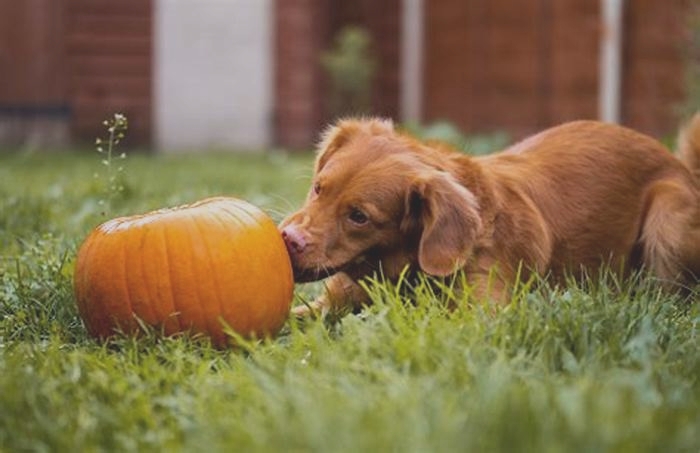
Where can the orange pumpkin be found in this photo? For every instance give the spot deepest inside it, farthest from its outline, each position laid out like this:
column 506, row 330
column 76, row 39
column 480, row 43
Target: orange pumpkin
column 190, row 268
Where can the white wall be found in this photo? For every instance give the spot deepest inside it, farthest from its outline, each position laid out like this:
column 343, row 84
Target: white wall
column 212, row 74
column 411, row 71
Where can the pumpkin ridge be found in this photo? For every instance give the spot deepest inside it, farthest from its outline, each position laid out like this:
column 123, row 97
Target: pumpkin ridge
column 225, row 226
column 215, row 275
column 144, row 273
column 174, row 314
column 192, row 221
column 251, row 215
column 149, row 311
column 158, row 276
column 127, row 291
column 232, row 213
column 176, row 306
column 195, row 310
column 242, row 209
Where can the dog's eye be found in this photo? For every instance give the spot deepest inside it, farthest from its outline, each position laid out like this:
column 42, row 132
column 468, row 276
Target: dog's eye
column 358, row 217
column 317, row 188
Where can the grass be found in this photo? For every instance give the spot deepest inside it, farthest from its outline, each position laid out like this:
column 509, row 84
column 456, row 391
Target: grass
column 603, row 366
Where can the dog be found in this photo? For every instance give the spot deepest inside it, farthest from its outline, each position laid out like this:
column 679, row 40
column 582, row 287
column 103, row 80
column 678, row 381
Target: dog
column 570, row 199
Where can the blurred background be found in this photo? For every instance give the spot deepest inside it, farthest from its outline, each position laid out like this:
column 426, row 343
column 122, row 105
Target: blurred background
column 255, row 74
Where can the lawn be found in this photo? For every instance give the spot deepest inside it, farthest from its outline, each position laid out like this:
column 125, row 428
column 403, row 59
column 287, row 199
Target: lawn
column 603, row 366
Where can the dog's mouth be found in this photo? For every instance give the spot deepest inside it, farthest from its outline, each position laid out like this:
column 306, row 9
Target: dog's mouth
column 312, row 274
column 319, row 272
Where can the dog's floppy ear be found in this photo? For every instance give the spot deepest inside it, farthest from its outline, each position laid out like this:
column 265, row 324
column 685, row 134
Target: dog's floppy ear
column 447, row 216
column 339, row 134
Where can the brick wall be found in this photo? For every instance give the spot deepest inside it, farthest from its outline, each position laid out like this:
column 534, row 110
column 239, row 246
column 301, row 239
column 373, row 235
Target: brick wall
column 108, row 45
column 302, row 29
column 522, row 66
column 573, row 44
column 518, row 66
column 653, row 64
column 488, row 64
column 306, row 28
column 33, row 104
column 32, row 70
column 381, row 19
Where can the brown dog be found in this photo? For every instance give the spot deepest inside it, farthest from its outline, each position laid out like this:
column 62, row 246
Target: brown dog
column 571, row 198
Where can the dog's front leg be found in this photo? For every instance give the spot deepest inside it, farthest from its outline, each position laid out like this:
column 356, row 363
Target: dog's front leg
column 341, row 293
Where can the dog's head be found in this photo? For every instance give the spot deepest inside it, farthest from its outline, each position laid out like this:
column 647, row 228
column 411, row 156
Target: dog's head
column 379, row 201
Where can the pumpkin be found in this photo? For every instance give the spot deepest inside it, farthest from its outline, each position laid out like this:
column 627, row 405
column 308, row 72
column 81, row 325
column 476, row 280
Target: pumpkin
column 199, row 268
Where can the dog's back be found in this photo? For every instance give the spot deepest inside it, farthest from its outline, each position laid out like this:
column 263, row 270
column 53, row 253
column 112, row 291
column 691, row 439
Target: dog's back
column 689, row 146
column 601, row 187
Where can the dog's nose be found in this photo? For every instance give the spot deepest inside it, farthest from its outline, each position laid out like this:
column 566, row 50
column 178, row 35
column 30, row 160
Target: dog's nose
column 294, row 239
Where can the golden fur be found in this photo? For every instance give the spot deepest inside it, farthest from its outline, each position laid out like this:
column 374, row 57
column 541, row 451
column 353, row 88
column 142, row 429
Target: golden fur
column 571, row 198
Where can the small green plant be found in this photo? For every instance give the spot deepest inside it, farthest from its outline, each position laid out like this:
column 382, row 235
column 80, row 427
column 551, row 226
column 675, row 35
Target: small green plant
column 114, row 174
column 447, row 132
column 351, row 68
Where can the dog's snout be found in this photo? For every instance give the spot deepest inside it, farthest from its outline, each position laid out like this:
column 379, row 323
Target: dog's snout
column 294, row 239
